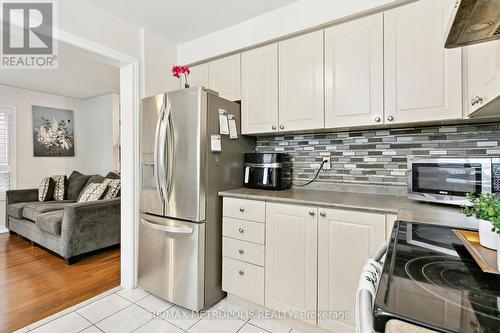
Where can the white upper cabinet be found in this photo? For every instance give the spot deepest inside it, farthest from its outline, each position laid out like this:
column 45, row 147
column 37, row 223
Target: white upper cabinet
column 224, row 77
column 301, row 104
column 198, row 76
column 422, row 78
column 346, row 240
column 291, row 258
column 482, row 69
column 354, row 73
column 259, row 90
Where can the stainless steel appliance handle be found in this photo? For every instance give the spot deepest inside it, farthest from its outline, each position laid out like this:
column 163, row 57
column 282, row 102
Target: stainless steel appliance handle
column 159, row 154
column 170, row 149
column 364, row 304
column 166, row 228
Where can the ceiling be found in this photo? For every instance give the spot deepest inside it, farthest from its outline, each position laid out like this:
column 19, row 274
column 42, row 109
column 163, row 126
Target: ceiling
column 78, row 76
column 183, row 20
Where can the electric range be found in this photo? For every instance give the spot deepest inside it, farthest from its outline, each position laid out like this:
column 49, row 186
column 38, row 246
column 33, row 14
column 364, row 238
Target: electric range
column 429, row 279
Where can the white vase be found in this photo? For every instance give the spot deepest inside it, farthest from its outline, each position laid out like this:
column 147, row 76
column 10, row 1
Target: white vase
column 487, row 237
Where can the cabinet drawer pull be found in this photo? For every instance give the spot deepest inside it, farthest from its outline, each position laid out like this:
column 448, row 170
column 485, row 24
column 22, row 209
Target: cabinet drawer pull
column 241, row 230
column 323, row 214
column 241, row 251
column 241, row 272
column 242, row 209
column 311, row 212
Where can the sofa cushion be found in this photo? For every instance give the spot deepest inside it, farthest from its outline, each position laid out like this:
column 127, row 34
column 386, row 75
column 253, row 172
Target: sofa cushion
column 33, row 209
column 113, row 189
column 60, row 187
column 113, row 175
column 16, row 210
column 93, row 192
column 50, row 222
column 76, row 184
column 91, row 180
column 45, row 189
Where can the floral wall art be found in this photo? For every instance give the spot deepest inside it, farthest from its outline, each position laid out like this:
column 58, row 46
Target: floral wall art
column 53, row 132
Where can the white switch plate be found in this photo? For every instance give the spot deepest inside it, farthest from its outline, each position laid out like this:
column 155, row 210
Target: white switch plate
column 328, row 164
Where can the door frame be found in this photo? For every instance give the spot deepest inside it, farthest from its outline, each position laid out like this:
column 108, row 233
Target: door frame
column 129, row 140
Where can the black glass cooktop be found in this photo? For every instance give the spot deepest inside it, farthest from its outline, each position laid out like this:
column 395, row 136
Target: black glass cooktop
column 430, row 279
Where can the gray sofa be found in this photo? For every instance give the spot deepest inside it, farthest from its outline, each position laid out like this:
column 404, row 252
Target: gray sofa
column 66, row 227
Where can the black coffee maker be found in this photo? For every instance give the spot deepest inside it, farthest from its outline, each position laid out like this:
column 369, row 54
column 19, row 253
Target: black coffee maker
column 267, row 171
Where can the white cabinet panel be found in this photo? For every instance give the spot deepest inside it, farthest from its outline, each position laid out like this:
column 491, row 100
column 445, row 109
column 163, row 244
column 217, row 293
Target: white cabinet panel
column 482, row 74
column 243, row 279
column 224, row 77
column 197, row 77
column 354, row 73
column 346, row 240
column 301, row 104
column 291, row 258
column 259, row 90
column 422, row 78
column 252, row 210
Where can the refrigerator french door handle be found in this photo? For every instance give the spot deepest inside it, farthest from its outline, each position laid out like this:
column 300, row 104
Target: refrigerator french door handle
column 159, row 155
column 166, row 228
column 170, row 149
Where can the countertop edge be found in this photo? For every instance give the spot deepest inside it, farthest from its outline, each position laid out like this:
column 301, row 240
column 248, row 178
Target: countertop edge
column 305, row 202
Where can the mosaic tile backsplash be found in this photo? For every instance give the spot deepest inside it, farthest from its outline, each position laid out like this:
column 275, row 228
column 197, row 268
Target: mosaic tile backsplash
column 379, row 156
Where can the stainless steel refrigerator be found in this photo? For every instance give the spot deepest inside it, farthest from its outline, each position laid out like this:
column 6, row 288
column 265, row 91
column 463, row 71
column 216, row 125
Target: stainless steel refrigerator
column 180, row 227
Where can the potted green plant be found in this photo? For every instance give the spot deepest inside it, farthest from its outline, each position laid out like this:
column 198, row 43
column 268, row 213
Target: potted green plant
column 486, row 208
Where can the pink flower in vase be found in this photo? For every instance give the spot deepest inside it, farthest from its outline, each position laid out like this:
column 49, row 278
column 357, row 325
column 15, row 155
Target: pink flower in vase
column 178, row 71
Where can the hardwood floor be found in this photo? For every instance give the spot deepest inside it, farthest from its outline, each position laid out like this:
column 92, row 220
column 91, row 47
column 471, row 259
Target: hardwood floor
column 35, row 283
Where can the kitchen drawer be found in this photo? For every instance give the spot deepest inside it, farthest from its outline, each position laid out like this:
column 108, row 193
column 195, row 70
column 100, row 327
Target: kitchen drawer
column 244, row 230
column 241, row 250
column 244, row 280
column 244, row 209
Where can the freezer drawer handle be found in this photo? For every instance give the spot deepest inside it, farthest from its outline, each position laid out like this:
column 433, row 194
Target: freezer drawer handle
column 166, row 228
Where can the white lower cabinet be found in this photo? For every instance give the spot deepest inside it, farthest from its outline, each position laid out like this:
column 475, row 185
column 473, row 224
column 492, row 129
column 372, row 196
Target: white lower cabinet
column 291, row 258
column 243, row 279
column 346, row 240
column 301, row 259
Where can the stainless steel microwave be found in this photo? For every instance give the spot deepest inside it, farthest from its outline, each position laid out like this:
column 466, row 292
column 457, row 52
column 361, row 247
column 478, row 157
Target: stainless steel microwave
column 448, row 179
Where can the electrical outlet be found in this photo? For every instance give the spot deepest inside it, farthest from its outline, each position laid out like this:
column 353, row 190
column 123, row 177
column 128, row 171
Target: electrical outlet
column 328, row 162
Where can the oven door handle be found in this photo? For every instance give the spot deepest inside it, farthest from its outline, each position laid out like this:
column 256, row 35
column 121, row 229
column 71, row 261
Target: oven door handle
column 364, row 300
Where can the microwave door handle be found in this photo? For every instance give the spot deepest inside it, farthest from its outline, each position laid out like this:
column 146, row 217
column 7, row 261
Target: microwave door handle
column 167, row 228
column 265, row 176
column 159, row 150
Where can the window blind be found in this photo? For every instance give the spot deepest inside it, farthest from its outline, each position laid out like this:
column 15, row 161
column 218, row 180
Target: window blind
column 5, row 123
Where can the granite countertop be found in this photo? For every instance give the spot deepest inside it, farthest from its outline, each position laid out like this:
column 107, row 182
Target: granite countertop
column 408, row 210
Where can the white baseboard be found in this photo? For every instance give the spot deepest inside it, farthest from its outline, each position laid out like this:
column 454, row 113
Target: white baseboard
column 3, row 230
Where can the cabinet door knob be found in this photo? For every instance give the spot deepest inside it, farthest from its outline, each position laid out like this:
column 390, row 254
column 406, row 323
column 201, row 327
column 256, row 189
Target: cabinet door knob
column 323, row 214
column 241, row 230
column 241, row 251
column 311, row 212
column 241, row 272
column 274, row 128
column 282, row 127
column 473, row 102
column 390, row 118
column 377, row 119
column 242, row 209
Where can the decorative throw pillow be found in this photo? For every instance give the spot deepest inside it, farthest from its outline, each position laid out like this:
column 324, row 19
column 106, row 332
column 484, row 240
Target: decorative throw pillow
column 60, row 187
column 76, row 184
column 113, row 189
column 92, row 192
column 46, row 189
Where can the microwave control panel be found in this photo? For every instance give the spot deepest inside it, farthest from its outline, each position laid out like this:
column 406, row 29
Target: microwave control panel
column 495, row 178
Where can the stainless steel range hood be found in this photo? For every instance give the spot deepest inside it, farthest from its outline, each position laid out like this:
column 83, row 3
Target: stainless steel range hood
column 472, row 22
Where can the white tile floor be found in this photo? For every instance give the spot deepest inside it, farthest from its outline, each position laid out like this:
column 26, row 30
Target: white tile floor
column 138, row 311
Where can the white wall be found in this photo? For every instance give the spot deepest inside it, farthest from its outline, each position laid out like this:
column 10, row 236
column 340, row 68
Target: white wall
column 30, row 169
column 157, row 58
column 98, row 114
column 296, row 17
